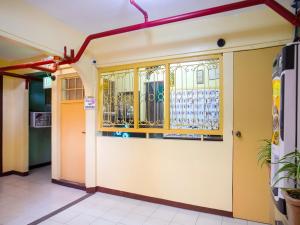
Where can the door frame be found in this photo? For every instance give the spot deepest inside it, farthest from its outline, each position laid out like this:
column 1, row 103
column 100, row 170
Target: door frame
column 56, row 122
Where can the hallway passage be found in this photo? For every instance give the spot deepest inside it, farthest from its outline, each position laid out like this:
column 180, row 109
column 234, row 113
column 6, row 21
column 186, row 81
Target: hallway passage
column 33, row 199
column 26, row 199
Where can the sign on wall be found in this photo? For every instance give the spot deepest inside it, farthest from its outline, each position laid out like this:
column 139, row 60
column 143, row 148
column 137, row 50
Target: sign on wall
column 89, row 102
column 47, row 82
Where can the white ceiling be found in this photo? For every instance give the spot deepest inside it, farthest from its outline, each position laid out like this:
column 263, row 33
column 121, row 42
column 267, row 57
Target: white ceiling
column 12, row 51
column 92, row 16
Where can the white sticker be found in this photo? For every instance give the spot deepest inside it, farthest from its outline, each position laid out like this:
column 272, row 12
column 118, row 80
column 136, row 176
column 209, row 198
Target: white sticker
column 89, row 103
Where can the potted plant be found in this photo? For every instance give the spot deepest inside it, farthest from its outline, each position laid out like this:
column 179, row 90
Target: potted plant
column 264, row 154
column 290, row 170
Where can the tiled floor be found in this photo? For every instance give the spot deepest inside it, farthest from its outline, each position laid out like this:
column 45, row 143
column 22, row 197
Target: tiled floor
column 25, row 199
column 103, row 209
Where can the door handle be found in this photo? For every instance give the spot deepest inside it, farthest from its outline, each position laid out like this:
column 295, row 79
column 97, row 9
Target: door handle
column 237, row 133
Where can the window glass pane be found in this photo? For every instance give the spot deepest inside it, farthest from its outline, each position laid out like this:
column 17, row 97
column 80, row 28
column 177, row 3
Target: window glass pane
column 78, row 83
column 72, row 89
column 79, row 94
column 71, row 95
column 64, row 84
column 64, row 95
column 195, row 95
column 118, row 99
column 151, row 96
column 71, row 83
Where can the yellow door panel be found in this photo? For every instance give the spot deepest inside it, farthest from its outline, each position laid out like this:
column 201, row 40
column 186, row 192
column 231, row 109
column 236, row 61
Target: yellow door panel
column 72, row 142
column 253, row 118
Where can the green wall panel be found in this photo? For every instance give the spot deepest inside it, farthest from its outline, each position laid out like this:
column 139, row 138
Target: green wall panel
column 39, row 138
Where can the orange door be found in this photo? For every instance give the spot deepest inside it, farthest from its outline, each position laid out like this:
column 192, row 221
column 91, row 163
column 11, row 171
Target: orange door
column 253, row 118
column 73, row 141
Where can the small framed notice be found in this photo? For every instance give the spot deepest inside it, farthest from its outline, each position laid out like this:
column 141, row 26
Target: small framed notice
column 89, row 103
column 47, row 82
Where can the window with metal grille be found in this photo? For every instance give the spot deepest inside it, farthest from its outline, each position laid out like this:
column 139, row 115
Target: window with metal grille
column 151, row 96
column 176, row 98
column 117, row 98
column 195, row 95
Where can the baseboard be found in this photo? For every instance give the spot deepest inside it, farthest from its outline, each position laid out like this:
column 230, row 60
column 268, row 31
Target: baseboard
column 91, row 189
column 164, row 202
column 13, row 172
column 39, row 165
column 70, row 184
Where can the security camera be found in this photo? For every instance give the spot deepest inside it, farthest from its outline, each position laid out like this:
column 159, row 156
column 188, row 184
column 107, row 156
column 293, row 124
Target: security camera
column 53, row 78
column 221, row 42
column 94, row 61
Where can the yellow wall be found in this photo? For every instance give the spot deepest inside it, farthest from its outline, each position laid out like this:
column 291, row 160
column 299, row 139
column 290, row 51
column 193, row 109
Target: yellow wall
column 15, row 125
column 193, row 172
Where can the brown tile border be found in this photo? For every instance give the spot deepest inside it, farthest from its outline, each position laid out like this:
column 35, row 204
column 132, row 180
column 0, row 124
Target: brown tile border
column 13, row 172
column 59, row 210
column 165, row 202
column 70, row 184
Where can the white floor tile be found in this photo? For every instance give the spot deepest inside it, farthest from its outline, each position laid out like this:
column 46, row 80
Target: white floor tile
column 101, row 221
column 50, row 222
column 133, row 219
column 114, row 215
column 165, row 213
column 145, row 210
column 81, row 220
column 185, row 218
column 255, row 223
column 155, row 221
column 228, row 220
column 64, row 216
column 208, row 219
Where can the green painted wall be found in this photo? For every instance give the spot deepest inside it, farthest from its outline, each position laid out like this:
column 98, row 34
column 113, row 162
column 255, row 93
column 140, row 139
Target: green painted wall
column 39, row 138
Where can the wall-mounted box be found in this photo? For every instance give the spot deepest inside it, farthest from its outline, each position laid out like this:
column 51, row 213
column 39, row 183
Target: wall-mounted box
column 40, row 119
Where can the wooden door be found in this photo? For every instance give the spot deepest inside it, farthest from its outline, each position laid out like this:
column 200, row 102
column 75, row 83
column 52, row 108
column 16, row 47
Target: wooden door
column 72, row 130
column 253, row 118
column 73, row 141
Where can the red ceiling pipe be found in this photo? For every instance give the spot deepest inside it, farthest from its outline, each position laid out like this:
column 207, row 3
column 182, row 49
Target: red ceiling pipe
column 45, row 69
column 172, row 19
column 200, row 13
column 27, row 65
column 282, row 11
column 145, row 14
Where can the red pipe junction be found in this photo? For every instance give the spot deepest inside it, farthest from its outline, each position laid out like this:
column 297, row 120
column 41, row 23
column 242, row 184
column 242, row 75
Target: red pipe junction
column 282, row 11
column 145, row 14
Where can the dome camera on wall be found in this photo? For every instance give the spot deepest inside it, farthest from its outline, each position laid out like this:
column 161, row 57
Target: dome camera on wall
column 94, row 61
column 53, row 78
column 221, row 42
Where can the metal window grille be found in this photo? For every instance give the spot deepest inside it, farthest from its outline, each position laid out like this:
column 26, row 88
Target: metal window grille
column 118, row 99
column 151, row 96
column 195, row 95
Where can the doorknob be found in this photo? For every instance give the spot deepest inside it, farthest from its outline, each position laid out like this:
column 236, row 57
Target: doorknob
column 237, row 133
